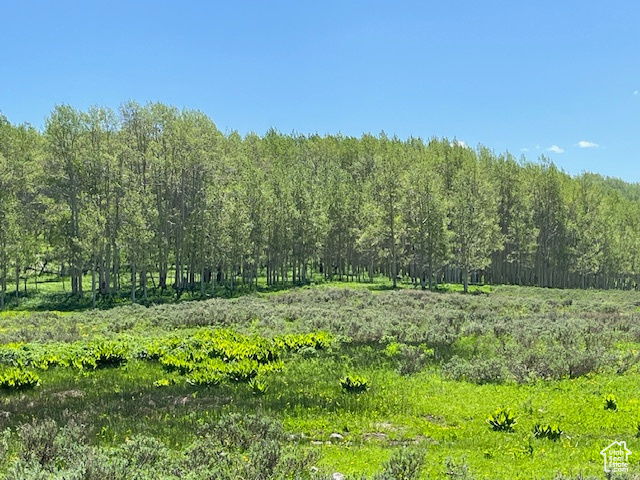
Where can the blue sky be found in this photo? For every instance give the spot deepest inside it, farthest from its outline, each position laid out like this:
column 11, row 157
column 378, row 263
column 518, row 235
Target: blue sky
column 529, row 77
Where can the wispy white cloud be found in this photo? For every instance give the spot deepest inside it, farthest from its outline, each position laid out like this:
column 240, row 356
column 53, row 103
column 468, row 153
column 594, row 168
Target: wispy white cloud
column 585, row 144
column 635, row 92
column 555, row 149
column 524, row 149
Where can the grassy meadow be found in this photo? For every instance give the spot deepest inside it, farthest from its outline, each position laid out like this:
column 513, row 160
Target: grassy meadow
column 306, row 382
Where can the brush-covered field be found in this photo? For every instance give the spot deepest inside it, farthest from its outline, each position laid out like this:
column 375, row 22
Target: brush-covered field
column 506, row 383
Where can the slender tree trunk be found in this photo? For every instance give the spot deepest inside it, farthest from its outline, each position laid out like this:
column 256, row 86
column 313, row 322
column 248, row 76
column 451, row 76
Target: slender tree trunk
column 17, row 283
column 465, row 279
column 107, row 272
column 394, row 267
column 101, row 271
column 3, row 283
column 202, row 280
column 133, row 282
column 93, row 285
column 143, row 282
column 116, row 268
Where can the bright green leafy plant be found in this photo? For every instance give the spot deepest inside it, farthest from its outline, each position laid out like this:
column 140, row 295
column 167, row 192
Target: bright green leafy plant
column 258, row 387
column 354, row 384
column 610, row 402
column 18, row 379
column 552, row 432
column 502, row 420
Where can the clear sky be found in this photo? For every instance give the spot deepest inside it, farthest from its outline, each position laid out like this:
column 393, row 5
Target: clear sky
column 555, row 77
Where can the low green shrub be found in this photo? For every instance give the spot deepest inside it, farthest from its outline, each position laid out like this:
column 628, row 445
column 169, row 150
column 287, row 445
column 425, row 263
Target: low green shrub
column 502, row 420
column 242, row 371
column 258, row 387
column 610, row 402
column 173, row 363
column 404, row 464
column 109, row 354
column 354, row 384
column 458, row 470
column 409, row 358
column 479, row 370
column 18, row 379
column 206, row 378
column 552, row 432
column 164, row 382
column 99, row 355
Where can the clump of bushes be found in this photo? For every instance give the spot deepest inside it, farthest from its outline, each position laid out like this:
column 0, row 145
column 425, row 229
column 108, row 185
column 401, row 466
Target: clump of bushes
column 173, row 363
column 236, row 446
column 18, row 379
column 409, row 358
column 108, row 354
column 479, row 370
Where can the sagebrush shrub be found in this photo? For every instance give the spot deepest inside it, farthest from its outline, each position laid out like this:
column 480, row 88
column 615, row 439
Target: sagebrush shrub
column 404, row 464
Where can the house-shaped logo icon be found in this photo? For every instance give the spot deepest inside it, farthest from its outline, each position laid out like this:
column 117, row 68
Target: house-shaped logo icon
column 616, row 457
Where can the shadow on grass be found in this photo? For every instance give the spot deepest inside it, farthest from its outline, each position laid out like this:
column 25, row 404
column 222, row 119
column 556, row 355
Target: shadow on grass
column 68, row 302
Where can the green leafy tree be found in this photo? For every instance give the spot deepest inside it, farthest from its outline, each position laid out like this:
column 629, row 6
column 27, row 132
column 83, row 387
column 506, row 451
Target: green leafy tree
column 473, row 218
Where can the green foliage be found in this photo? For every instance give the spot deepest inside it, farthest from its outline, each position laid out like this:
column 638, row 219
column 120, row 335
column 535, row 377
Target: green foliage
column 18, row 379
column 210, row 357
column 552, row 432
column 243, row 370
column 458, row 470
column 258, row 387
column 411, row 211
column 164, row 382
column 354, row 384
column 404, row 464
column 610, row 402
column 206, row 377
column 129, row 428
column 480, row 371
column 502, row 420
column 233, row 447
column 409, row 358
column 173, row 363
column 294, row 342
column 108, row 354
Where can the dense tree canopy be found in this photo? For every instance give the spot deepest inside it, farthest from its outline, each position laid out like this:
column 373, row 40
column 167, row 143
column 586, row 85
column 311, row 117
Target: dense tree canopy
column 154, row 194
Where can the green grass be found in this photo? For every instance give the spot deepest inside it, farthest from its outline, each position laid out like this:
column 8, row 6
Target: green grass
column 446, row 416
column 379, row 334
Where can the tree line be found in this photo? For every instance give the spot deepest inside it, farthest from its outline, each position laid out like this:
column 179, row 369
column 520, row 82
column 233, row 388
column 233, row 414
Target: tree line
column 152, row 196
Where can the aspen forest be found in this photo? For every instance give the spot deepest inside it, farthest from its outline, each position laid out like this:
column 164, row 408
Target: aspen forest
column 151, row 196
